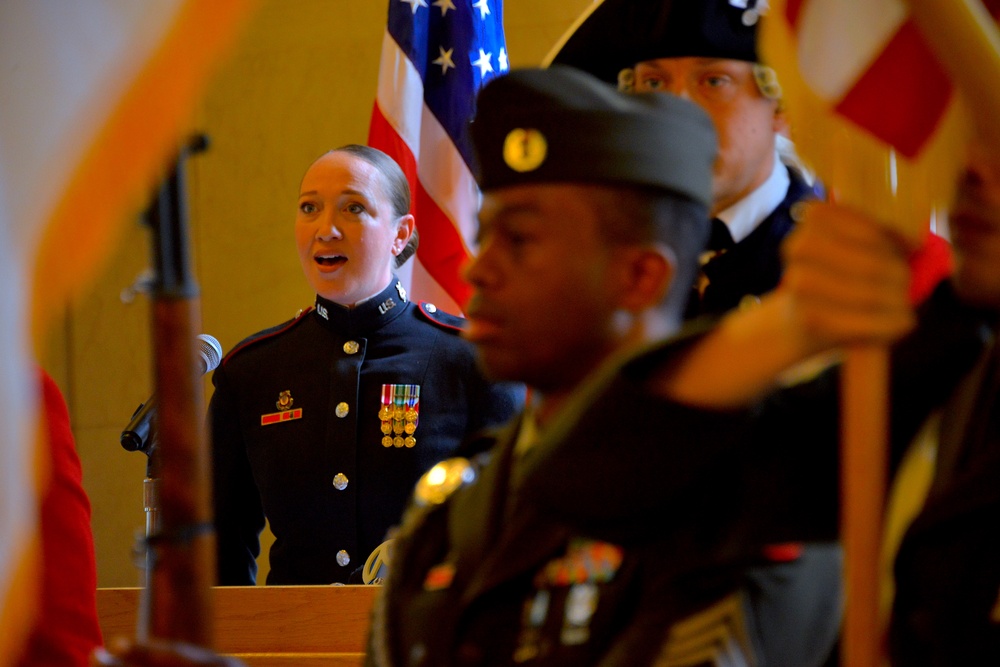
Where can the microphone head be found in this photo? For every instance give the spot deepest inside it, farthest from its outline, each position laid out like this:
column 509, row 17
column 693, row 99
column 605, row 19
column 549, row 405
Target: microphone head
column 209, row 352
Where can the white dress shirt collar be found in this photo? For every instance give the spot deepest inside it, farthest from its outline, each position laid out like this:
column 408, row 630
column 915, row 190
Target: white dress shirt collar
column 745, row 215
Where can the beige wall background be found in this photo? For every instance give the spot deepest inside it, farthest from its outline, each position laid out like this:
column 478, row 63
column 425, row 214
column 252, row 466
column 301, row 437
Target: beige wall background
column 301, row 81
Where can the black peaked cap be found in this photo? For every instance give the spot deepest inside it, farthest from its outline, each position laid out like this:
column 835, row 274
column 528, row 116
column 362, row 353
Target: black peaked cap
column 621, row 33
column 563, row 125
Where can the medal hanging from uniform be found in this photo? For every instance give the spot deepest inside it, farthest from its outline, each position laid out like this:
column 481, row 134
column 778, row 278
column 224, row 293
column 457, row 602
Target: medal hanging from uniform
column 399, row 414
column 586, row 565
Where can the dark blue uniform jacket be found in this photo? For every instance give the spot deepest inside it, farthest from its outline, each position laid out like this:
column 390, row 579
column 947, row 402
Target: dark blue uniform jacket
column 297, row 436
column 753, row 266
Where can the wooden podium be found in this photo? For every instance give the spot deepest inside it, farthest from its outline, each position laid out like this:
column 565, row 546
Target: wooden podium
column 269, row 626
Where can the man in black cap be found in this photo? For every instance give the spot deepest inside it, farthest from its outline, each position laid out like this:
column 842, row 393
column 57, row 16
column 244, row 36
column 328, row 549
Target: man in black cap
column 706, row 51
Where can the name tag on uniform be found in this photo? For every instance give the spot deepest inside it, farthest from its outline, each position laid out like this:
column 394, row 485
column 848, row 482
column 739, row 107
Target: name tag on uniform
column 278, row 417
column 285, row 412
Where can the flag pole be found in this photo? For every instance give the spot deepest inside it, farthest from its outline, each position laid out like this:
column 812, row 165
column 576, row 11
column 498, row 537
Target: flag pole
column 965, row 40
column 864, row 438
column 856, row 166
column 859, row 178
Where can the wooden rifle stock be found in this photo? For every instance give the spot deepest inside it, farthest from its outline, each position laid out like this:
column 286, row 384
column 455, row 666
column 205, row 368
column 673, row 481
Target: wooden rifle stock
column 181, row 560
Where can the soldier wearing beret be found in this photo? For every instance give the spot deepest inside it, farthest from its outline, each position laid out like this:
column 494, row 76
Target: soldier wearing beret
column 324, row 423
column 706, row 51
column 593, row 216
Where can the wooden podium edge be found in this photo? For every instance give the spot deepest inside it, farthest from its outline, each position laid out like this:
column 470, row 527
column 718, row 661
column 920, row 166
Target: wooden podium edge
column 269, row 625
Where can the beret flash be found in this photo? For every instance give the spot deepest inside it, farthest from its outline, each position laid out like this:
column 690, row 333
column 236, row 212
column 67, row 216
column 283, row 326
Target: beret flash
column 563, row 125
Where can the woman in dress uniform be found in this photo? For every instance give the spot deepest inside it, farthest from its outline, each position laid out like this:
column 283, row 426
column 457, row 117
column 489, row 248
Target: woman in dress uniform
column 324, row 423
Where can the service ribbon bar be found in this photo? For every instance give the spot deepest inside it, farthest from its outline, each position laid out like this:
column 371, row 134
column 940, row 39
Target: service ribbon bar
column 278, row 417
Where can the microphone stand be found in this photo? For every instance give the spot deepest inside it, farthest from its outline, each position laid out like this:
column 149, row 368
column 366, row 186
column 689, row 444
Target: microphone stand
column 179, row 547
column 151, row 506
column 142, row 438
column 146, row 551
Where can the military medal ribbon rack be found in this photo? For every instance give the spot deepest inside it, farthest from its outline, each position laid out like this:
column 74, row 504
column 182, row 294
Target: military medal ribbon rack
column 399, row 414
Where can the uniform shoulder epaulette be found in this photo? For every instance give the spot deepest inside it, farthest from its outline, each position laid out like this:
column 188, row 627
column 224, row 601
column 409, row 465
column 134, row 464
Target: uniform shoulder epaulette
column 267, row 334
column 444, row 320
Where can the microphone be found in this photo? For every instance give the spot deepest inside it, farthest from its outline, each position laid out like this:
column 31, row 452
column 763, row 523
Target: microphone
column 136, row 435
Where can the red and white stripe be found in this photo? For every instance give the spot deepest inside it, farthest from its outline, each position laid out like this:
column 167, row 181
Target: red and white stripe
column 868, row 60
column 445, row 196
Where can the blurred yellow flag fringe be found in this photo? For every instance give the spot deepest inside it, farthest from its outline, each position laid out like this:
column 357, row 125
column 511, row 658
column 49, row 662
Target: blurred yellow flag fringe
column 857, row 168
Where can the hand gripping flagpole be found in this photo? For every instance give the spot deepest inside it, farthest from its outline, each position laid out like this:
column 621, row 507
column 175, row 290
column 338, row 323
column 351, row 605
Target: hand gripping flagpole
column 964, row 40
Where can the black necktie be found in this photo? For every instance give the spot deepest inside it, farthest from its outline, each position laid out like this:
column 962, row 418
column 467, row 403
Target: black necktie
column 720, row 239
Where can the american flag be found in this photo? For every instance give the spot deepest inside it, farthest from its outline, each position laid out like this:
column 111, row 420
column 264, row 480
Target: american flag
column 436, row 54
